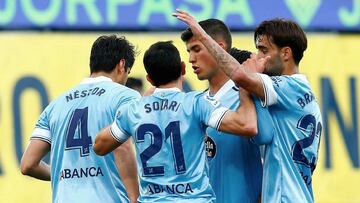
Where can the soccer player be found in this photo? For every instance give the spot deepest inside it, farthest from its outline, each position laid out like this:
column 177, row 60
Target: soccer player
column 291, row 155
column 68, row 125
column 169, row 127
column 227, row 154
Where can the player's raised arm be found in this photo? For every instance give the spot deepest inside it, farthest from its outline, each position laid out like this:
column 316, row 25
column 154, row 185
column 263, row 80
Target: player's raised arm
column 242, row 75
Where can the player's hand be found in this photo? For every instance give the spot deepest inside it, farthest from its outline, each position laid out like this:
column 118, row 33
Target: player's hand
column 196, row 29
column 256, row 64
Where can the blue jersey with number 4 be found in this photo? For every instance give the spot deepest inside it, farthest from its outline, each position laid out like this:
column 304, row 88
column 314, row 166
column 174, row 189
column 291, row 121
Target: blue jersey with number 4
column 291, row 155
column 69, row 124
column 168, row 129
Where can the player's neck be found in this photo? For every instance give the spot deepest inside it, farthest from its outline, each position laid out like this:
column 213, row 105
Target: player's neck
column 290, row 69
column 98, row 74
column 216, row 82
column 176, row 83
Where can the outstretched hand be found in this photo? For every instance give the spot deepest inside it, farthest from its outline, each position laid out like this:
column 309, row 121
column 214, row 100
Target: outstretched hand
column 196, row 29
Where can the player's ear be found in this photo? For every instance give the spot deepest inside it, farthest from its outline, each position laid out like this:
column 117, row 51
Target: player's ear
column 183, row 68
column 222, row 44
column 286, row 53
column 121, row 66
column 150, row 80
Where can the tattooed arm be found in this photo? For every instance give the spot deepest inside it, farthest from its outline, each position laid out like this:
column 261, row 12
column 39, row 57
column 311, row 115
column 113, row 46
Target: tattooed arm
column 243, row 75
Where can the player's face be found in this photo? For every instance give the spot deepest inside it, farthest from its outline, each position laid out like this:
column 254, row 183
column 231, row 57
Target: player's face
column 202, row 62
column 265, row 48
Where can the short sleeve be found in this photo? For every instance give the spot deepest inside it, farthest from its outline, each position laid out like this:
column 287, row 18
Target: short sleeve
column 42, row 128
column 269, row 91
column 278, row 90
column 127, row 95
column 210, row 110
column 119, row 128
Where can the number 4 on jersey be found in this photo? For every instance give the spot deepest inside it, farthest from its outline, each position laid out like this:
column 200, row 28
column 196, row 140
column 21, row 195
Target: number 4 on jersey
column 77, row 132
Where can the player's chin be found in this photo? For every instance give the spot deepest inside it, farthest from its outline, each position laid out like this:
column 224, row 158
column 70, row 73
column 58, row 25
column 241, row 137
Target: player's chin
column 201, row 77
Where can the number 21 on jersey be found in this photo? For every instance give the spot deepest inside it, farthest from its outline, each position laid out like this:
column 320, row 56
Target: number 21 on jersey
column 172, row 131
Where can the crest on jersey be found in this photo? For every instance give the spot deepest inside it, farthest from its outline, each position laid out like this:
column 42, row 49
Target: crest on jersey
column 212, row 100
column 210, row 147
column 118, row 113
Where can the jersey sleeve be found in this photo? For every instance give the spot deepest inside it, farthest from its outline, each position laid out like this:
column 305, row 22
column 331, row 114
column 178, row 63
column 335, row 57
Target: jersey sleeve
column 210, row 111
column 120, row 127
column 128, row 95
column 265, row 124
column 42, row 128
column 278, row 90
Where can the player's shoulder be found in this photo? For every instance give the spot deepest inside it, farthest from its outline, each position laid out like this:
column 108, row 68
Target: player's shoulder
column 60, row 99
column 195, row 96
column 293, row 82
column 130, row 106
column 118, row 90
column 294, row 78
column 202, row 98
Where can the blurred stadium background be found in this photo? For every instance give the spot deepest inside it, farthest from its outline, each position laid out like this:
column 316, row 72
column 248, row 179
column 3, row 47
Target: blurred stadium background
column 45, row 46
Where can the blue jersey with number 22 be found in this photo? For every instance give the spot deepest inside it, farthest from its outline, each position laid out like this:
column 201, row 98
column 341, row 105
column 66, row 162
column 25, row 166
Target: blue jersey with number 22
column 291, row 155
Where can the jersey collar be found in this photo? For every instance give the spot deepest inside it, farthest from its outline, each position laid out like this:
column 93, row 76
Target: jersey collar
column 95, row 80
column 220, row 93
column 300, row 77
column 167, row 89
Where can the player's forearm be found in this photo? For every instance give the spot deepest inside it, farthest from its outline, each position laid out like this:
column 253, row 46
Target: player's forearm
column 126, row 162
column 132, row 188
column 243, row 77
column 129, row 177
column 247, row 113
column 225, row 61
column 31, row 163
column 40, row 171
column 104, row 142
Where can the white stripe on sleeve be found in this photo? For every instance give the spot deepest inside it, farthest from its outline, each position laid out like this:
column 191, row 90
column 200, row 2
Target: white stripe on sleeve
column 118, row 134
column 269, row 91
column 216, row 117
column 41, row 134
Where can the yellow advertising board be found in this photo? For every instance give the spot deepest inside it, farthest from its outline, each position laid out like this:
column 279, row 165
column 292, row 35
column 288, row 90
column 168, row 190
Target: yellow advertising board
column 38, row 66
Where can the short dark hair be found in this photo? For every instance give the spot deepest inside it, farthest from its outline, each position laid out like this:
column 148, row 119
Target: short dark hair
column 162, row 63
column 240, row 55
column 213, row 27
column 135, row 83
column 107, row 51
column 284, row 33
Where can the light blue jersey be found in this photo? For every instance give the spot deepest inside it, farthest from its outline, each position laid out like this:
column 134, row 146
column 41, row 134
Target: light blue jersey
column 69, row 124
column 169, row 131
column 235, row 168
column 292, row 153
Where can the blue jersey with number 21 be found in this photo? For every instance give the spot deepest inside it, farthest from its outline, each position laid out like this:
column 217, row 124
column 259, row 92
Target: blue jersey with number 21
column 168, row 128
column 291, row 155
column 69, row 124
